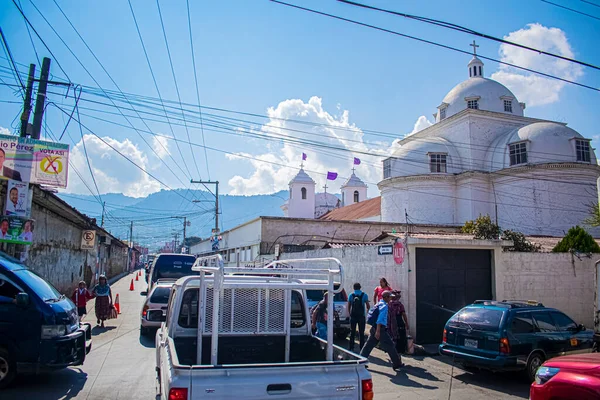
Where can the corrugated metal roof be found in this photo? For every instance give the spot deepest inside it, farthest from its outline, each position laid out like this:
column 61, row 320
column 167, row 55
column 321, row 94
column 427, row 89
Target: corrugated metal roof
column 364, row 209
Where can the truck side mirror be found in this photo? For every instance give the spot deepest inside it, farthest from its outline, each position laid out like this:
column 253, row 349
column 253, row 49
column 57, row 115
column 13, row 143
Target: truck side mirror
column 22, row 300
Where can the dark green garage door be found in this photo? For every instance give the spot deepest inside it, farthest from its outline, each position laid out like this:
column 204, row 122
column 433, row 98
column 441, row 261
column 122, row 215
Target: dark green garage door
column 447, row 280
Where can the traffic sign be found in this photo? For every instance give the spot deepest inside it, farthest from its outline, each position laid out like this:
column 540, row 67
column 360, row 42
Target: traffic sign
column 385, row 249
column 399, row 252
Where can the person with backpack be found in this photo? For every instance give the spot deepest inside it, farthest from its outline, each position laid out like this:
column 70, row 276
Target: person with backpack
column 356, row 309
column 378, row 319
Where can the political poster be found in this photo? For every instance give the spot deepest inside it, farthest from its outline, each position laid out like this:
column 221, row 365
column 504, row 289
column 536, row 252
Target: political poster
column 14, row 229
column 35, row 161
column 17, row 201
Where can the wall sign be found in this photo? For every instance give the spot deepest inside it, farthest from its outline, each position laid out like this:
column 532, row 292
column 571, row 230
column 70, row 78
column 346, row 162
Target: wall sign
column 385, row 249
column 88, row 240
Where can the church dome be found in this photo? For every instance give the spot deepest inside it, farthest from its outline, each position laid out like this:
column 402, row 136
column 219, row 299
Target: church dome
column 412, row 157
column 354, row 182
column 546, row 142
column 479, row 93
column 302, row 177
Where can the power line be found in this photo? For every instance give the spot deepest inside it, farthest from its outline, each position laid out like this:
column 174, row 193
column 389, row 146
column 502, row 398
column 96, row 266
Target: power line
column 591, row 2
column 434, row 44
column 175, row 80
column 571, row 9
column 37, row 57
column 464, row 29
column 197, row 88
column 12, row 60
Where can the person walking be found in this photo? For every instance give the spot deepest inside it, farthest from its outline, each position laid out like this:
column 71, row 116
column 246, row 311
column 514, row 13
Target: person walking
column 319, row 318
column 80, row 297
column 356, row 309
column 378, row 319
column 383, row 286
column 398, row 322
column 104, row 300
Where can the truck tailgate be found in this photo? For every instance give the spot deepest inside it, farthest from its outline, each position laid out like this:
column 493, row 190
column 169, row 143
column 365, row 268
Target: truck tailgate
column 339, row 381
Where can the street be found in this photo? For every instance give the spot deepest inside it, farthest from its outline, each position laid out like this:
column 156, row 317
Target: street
column 121, row 366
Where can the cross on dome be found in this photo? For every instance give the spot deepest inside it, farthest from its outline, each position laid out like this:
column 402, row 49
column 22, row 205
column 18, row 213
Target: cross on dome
column 475, row 46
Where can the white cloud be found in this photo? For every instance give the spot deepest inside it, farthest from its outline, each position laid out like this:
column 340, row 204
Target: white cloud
column 113, row 173
column 160, row 145
column 324, row 127
column 4, row 131
column 533, row 89
column 422, row 123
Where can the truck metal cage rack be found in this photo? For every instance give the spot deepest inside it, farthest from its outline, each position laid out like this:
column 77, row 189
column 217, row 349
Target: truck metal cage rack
column 228, row 298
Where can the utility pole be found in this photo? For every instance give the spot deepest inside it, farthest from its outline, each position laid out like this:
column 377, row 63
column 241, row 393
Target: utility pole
column 103, row 206
column 27, row 102
column 185, row 224
column 129, row 245
column 216, row 183
column 41, row 99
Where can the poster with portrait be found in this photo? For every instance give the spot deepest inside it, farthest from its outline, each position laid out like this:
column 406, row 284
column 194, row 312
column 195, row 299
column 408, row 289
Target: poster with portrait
column 35, row 161
column 17, row 199
column 17, row 230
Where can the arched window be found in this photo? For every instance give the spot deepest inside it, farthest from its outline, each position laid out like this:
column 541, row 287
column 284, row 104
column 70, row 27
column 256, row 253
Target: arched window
column 303, row 190
column 356, row 199
column 290, row 193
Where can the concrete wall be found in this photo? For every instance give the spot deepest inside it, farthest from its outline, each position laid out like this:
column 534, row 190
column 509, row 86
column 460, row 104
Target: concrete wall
column 557, row 280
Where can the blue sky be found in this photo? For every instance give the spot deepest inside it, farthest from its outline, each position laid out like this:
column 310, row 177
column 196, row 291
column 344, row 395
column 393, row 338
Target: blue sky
column 253, row 55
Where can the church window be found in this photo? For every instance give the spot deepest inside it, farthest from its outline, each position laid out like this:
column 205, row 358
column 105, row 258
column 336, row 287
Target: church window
column 437, row 163
column 480, row 70
column 473, row 104
column 303, row 190
column 518, row 153
column 290, row 193
column 508, row 106
column 356, row 196
column 387, row 168
column 442, row 114
column 470, row 73
column 583, row 150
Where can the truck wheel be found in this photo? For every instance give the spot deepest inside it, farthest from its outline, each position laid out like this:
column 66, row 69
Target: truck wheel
column 535, row 361
column 8, row 368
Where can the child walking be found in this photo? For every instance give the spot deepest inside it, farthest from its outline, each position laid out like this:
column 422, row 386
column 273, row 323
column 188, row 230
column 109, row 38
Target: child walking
column 80, row 297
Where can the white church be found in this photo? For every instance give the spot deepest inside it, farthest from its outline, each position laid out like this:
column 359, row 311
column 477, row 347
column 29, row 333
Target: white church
column 482, row 156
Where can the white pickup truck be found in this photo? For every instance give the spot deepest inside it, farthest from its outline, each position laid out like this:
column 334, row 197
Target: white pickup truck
column 252, row 340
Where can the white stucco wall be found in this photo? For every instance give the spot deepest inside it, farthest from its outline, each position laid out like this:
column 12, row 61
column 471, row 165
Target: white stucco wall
column 299, row 207
column 556, row 280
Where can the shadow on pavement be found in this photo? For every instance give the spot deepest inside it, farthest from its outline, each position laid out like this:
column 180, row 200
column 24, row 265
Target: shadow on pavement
column 63, row 384
column 97, row 330
column 402, row 378
column 148, row 339
column 144, row 293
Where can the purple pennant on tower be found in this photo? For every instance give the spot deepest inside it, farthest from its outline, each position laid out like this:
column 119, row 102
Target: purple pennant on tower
column 332, row 176
column 356, row 161
column 303, row 156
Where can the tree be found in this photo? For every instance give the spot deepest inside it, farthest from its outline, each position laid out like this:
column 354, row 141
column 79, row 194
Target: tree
column 577, row 239
column 594, row 218
column 482, row 228
column 520, row 242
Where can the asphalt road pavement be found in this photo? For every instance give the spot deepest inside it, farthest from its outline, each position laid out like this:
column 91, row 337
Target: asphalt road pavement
column 121, row 366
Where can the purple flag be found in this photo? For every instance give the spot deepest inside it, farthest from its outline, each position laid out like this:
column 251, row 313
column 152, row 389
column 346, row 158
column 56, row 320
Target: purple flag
column 303, row 156
column 356, row 161
column 332, row 176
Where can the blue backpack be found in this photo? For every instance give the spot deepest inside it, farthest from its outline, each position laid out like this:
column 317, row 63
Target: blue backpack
column 373, row 315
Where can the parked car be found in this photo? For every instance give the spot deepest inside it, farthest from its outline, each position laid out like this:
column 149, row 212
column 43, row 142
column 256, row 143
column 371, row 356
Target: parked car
column 154, row 310
column 341, row 326
column 39, row 327
column 568, row 377
column 512, row 335
column 170, row 266
column 254, row 342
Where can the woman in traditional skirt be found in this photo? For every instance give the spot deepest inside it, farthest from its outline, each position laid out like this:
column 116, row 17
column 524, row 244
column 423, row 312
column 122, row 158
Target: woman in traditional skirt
column 104, row 300
column 398, row 322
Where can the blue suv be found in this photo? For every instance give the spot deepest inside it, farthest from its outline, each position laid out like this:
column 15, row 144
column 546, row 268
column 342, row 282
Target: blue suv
column 512, row 335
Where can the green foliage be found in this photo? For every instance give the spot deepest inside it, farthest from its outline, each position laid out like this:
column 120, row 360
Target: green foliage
column 594, row 218
column 520, row 243
column 577, row 239
column 482, row 228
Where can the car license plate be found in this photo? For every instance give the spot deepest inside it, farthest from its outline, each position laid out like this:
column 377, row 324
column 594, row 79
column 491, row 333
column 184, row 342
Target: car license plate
column 471, row 343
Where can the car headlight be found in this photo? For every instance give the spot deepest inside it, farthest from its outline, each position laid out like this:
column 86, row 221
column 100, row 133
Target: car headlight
column 52, row 331
column 544, row 374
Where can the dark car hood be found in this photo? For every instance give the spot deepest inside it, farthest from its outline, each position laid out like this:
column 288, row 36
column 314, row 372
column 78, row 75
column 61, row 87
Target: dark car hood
column 65, row 312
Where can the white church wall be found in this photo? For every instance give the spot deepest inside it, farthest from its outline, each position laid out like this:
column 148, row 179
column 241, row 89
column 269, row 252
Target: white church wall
column 299, row 207
column 474, row 197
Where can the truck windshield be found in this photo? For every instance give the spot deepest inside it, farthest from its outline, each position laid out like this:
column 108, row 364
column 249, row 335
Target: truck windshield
column 46, row 291
column 483, row 319
column 317, row 295
column 173, row 266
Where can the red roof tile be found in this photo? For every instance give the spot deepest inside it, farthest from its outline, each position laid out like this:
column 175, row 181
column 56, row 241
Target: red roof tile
column 364, row 209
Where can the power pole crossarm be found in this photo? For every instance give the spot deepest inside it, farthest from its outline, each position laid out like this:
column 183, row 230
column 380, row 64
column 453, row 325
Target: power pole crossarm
column 216, row 183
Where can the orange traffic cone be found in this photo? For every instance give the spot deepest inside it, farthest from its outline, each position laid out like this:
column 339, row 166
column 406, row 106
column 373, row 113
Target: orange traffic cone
column 131, row 288
column 137, row 277
column 117, row 305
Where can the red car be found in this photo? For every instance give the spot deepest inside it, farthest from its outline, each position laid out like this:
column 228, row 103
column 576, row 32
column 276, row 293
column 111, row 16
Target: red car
column 568, row 377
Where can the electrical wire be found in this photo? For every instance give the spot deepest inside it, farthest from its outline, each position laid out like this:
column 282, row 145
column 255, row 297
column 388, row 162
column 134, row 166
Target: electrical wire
column 12, row 60
column 571, row 9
